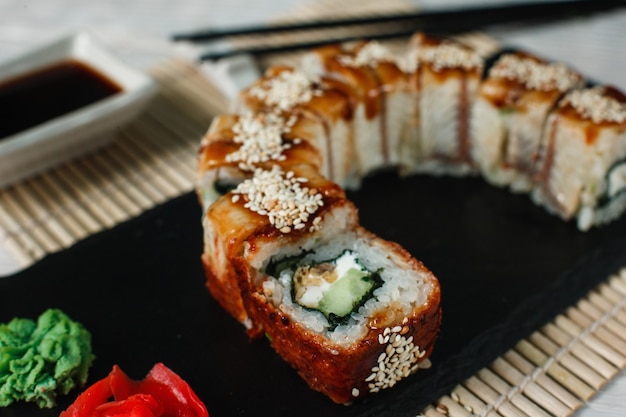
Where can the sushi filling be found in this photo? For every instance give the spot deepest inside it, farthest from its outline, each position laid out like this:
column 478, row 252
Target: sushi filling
column 218, row 183
column 616, row 179
column 616, row 184
column 224, row 185
column 335, row 288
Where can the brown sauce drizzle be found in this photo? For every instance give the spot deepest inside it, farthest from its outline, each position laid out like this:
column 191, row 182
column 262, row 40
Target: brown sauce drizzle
column 463, row 123
column 543, row 174
column 382, row 109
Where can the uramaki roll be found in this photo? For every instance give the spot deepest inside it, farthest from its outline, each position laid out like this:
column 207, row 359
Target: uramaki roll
column 285, row 255
column 236, row 144
column 512, row 106
column 444, row 76
column 382, row 98
column 281, row 204
column 581, row 173
column 291, row 91
column 351, row 312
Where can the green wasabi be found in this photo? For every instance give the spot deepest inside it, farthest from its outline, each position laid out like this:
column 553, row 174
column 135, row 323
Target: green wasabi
column 40, row 360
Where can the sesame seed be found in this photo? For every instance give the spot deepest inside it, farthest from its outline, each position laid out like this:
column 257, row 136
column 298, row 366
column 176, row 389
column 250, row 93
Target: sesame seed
column 449, row 55
column 370, row 54
column 593, row 104
column 397, row 361
column 261, row 139
column 287, row 89
column 355, row 392
column 535, row 75
column 270, row 193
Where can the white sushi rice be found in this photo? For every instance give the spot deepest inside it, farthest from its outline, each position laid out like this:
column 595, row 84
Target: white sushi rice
column 589, row 217
column 402, row 290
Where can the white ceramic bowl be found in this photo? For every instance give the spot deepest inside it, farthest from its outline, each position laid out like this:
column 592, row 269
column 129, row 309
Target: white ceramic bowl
column 77, row 132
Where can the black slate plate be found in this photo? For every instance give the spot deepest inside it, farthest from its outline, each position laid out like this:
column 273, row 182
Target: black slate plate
column 505, row 266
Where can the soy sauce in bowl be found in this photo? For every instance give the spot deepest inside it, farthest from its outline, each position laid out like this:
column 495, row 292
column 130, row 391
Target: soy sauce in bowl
column 49, row 92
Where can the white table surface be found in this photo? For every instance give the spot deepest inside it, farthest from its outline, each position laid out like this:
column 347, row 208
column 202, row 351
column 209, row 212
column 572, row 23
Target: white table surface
column 139, row 30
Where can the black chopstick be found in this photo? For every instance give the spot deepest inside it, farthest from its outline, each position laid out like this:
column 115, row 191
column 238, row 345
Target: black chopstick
column 476, row 15
column 436, row 22
column 270, row 49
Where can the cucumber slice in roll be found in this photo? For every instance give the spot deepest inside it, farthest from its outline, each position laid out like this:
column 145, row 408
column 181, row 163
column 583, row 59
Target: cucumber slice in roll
column 335, row 288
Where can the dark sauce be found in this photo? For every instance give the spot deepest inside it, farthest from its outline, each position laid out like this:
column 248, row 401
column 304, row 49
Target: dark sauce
column 50, row 92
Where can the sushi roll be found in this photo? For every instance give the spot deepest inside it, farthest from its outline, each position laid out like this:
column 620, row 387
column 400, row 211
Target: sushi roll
column 279, row 203
column 291, row 91
column 382, row 98
column 284, row 251
column 285, row 255
column 510, row 112
column 444, row 76
column 581, row 173
column 354, row 314
column 236, row 144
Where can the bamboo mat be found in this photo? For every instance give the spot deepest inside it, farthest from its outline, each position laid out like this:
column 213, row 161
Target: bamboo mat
column 553, row 372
